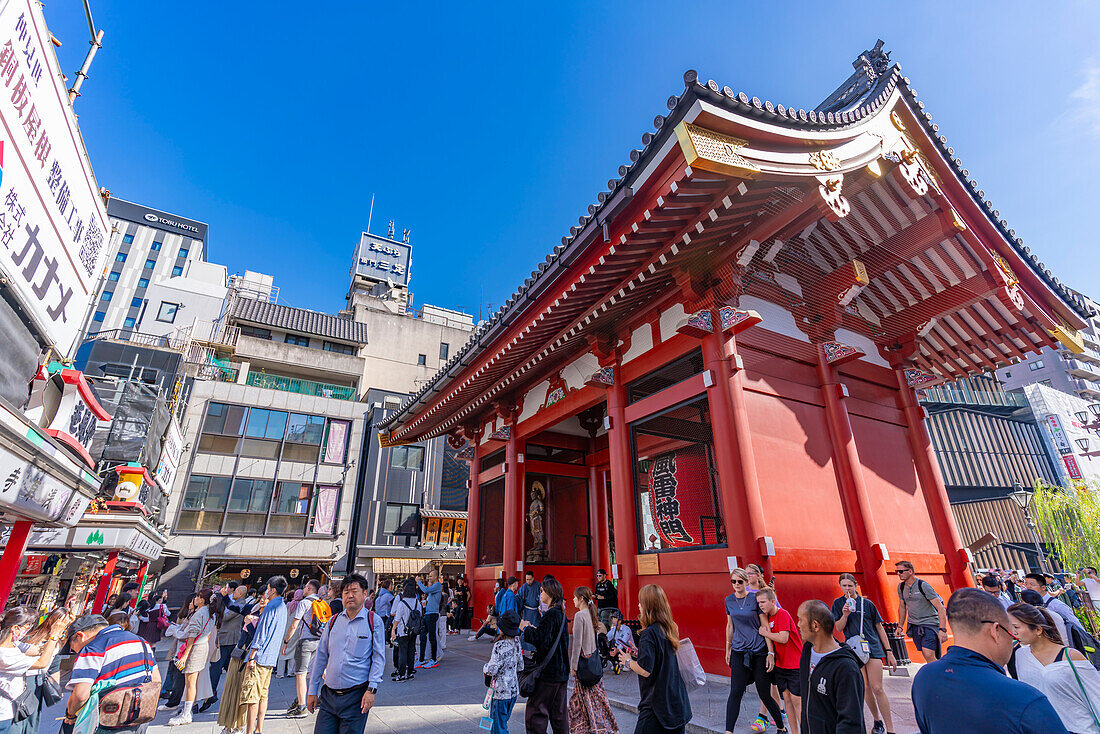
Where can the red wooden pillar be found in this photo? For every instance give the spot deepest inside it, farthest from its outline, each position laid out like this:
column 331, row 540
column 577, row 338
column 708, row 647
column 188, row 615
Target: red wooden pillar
column 622, row 494
column 104, row 583
column 13, row 557
column 597, row 527
column 931, row 481
column 473, row 516
column 513, row 507
column 143, row 570
column 853, row 488
column 733, row 455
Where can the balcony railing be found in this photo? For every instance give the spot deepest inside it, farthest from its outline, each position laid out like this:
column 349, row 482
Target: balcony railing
column 136, row 337
column 302, row 387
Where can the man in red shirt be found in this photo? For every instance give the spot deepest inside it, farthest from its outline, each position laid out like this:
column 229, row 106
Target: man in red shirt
column 783, row 632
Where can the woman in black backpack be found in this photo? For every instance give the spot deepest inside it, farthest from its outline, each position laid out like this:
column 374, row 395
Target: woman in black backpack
column 546, row 702
column 408, row 617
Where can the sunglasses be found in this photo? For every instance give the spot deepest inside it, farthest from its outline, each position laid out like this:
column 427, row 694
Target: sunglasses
column 738, row 581
column 900, row 571
column 1007, row 631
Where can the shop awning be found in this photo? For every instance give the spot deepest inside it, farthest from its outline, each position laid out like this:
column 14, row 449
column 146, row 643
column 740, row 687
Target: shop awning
column 443, row 514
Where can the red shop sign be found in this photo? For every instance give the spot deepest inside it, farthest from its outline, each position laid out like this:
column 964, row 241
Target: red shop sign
column 34, row 565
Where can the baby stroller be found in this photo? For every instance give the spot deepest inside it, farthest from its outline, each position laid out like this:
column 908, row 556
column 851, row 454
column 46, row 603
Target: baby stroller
column 603, row 647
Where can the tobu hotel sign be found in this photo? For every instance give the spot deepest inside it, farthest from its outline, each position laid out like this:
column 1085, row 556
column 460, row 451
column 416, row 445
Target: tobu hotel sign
column 382, row 259
column 53, row 225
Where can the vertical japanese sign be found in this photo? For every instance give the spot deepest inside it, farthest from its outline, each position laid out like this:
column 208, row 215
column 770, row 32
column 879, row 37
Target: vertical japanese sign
column 382, row 259
column 170, row 453
column 446, row 527
column 1058, row 434
column 53, row 223
column 336, row 442
column 324, row 513
column 681, row 498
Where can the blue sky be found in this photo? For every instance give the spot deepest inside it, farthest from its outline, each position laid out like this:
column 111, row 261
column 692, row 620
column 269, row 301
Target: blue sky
column 487, row 129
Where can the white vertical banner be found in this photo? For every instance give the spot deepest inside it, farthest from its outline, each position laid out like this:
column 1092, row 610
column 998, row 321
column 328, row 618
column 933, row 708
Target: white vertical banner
column 53, row 224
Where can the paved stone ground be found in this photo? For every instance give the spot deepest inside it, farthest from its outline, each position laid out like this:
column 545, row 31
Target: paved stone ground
column 448, row 699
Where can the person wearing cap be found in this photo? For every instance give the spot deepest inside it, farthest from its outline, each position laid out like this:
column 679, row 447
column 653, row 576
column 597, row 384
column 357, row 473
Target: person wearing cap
column 503, row 668
column 607, row 597
column 105, row 654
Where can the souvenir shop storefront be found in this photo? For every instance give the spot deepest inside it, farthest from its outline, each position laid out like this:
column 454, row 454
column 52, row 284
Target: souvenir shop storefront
column 717, row 366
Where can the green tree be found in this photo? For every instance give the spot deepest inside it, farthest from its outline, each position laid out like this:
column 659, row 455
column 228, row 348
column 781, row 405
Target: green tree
column 1069, row 519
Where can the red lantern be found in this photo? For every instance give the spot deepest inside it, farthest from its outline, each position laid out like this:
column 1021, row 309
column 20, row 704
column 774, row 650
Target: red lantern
column 681, row 498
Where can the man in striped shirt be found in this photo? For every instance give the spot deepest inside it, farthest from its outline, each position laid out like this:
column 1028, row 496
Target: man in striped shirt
column 105, row 653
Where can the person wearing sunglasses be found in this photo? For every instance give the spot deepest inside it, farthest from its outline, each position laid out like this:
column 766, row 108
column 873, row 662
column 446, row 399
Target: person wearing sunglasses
column 751, row 657
column 944, row 691
column 920, row 612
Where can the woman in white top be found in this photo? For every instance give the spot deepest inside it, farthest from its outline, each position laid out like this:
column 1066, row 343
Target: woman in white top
column 202, row 628
column 1063, row 674
column 402, row 637
column 15, row 664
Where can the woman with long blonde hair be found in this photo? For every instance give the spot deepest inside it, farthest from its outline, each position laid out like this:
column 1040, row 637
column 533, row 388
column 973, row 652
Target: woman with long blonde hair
column 589, row 709
column 664, row 707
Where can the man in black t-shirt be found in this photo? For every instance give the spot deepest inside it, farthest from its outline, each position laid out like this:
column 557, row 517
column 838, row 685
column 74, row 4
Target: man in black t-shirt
column 607, row 596
column 462, row 604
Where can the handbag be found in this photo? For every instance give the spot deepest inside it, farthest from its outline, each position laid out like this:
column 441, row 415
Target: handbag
column 858, row 642
column 589, row 669
column 1084, row 693
column 24, row 705
column 51, row 691
column 529, row 678
column 128, row 706
column 162, row 619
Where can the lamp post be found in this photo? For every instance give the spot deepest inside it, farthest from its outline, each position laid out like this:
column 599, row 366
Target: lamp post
column 1022, row 497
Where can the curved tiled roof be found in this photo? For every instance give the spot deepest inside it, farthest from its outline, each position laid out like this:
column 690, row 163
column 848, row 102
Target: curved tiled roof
column 854, row 111
column 299, row 319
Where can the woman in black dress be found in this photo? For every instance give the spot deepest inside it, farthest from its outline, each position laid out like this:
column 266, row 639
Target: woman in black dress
column 547, row 704
column 664, row 707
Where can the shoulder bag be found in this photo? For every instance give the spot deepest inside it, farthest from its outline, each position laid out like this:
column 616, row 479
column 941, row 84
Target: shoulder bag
column 51, row 690
column 24, row 705
column 589, row 667
column 858, row 642
column 128, row 706
column 1081, row 685
column 528, row 679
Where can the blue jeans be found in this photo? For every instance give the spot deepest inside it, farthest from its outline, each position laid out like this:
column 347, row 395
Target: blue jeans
column 500, row 710
column 340, row 713
column 5, row 726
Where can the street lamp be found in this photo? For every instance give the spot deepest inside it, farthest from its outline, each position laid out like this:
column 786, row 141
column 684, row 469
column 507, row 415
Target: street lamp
column 1082, row 416
column 1022, row 497
column 1095, row 408
column 1083, row 444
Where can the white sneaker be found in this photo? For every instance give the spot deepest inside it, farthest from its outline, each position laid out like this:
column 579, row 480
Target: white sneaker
column 472, row 638
column 179, row 720
column 166, row 707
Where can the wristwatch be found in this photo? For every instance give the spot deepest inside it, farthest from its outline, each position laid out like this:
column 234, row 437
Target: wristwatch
column 372, row 689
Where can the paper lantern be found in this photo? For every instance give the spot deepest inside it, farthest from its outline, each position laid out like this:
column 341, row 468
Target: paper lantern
column 680, row 497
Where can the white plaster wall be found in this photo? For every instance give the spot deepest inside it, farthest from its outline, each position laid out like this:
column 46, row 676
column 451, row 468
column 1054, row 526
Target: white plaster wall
column 858, row 340
column 641, row 341
column 774, row 317
column 577, row 372
column 533, row 400
column 670, row 319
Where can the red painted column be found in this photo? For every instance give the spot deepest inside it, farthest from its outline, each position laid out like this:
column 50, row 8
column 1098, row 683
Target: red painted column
column 143, row 570
column 853, row 489
column 622, row 495
column 597, row 527
column 513, row 507
column 743, row 530
column 473, row 517
column 12, row 558
column 931, row 481
column 104, row 583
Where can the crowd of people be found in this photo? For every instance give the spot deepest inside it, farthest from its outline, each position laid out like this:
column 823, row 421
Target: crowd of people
column 1018, row 644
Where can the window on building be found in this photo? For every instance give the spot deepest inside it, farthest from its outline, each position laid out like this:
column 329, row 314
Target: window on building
column 422, row 359
column 223, row 419
column 143, row 282
column 301, row 428
column 129, row 323
column 135, row 302
column 407, row 457
column 203, row 504
column 302, row 341
column 183, row 252
column 490, row 541
column 249, row 503
column 99, row 316
column 401, row 520
column 155, row 246
column 444, row 351
column 167, row 312
column 339, row 348
column 177, row 271
column 107, row 295
column 150, row 264
column 1036, row 365
column 667, row 376
column 113, row 277
column 1008, row 375
column 127, row 239
column 255, row 332
column 674, row 476
column 120, row 257
column 263, row 423
column 291, row 510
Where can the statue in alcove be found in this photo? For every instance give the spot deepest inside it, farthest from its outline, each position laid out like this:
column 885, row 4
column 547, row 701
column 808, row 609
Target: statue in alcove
column 536, row 522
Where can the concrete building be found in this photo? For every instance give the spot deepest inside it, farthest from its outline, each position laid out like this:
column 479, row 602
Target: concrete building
column 1060, row 368
column 147, row 246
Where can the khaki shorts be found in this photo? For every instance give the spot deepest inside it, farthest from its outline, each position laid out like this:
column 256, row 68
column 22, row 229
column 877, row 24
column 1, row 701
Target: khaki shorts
column 254, row 683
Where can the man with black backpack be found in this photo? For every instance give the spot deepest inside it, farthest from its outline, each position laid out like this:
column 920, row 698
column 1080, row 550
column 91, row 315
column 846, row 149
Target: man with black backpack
column 312, row 613
column 1079, row 638
column 922, row 607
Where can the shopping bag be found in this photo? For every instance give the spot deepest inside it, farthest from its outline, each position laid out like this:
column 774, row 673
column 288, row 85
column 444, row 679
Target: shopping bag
column 691, row 670
column 87, row 720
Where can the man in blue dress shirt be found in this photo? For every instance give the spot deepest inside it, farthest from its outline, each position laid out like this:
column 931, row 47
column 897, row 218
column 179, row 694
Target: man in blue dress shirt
column 263, row 654
column 350, row 661
column 945, row 691
column 528, row 599
column 434, row 592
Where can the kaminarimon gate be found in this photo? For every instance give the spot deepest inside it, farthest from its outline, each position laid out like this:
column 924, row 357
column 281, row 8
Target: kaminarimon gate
column 717, row 366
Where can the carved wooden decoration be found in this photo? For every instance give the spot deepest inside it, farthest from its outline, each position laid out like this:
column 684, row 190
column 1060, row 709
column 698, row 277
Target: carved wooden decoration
column 837, row 353
column 833, row 204
column 604, row 378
